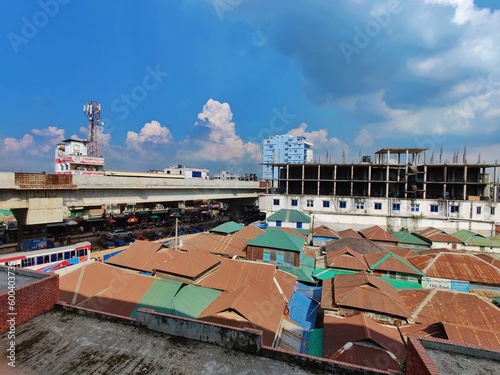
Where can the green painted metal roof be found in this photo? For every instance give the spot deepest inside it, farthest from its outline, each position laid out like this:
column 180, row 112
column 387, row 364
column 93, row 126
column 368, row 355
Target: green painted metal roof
column 408, row 238
column 159, row 297
column 175, row 298
column 299, row 272
column 227, row 227
column 329, row 273
column 475, row 239
column 402, row 284
column 315, row 346
column 192, row 300
column 291, row 216
column 392, row 255
column 277, row 239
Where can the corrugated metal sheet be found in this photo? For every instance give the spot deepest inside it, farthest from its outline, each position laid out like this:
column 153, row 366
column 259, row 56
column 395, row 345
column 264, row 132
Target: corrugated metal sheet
column 390, row 262
column 315, row 345
column 350, row 233
column 227, row 227
column 324, row 231
column 361, row 245
column 467, row 309
column 159, row 297
column 217, row 244
column 44, row 181
column 405, row 237
column 276, row 239
column 475, row 239
column 368, row 293
column 457, row 266
column 340, row 331
column 142, row 256
column 192, row 300
column 290, row 216
column 375, row 233
column 175, row 298
column 346, row 258
column 473, row 335
column 437, row 235
column 235, row 274
column 367, row 355
column 190, row 264
column 262, row 310
column 104, row 288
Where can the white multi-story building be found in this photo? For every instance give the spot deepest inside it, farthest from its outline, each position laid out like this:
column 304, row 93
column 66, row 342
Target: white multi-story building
column 286, row 149
column 188, row 173
column 71, row 157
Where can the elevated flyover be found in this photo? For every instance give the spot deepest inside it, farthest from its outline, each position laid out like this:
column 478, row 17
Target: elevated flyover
column 39, row 198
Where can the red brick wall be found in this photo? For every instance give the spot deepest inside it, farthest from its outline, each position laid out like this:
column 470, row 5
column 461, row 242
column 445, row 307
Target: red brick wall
column 30, row 300
column 418, row 361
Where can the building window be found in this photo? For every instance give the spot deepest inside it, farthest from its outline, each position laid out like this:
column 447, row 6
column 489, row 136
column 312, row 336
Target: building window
column 295, row 202
column 309, row 203
column 415, row 208
column 396, row 206
column 280, row 258
column 478, row 210
column 343, row 204
column 278, row 223
column 454, row 209
column 299, row 225
column 434, row 208
column 326, row 204
column 266, row 257
column 360, row 205
column 276, row 202
column 378, row 206
column 492, row 211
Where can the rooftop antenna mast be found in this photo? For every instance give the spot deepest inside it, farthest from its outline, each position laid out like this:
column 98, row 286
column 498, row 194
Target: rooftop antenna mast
column 93, row 111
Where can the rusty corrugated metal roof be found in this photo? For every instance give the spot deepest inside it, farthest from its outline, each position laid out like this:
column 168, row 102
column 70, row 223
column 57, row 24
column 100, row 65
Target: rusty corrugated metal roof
column 346, row 258
column 367, row 354
column 437, row 235
column 324, row 231
column 349, row 233
column 190, row 264
column 248, row 233
column 467, row 309
column 104, row 288
column 489, row 259
column 375, row 233
column 473, row 335
column 368, row 293
column 261, row 309
column 457, row 266
column 217, row 244
column 337, row 332
column 402, row 252
column 361, row 245
column 142, row 256
column 235, row 274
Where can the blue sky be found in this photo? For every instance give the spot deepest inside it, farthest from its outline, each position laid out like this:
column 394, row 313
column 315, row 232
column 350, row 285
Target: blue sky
column 202, row 83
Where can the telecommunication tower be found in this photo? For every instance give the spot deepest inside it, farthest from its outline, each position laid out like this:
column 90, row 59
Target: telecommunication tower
column 93, row 111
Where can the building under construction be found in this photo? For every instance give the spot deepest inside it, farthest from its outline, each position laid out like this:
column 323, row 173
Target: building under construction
column 397, row 183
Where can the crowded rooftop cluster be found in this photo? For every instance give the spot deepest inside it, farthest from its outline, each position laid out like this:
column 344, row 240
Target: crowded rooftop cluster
column 349, row 296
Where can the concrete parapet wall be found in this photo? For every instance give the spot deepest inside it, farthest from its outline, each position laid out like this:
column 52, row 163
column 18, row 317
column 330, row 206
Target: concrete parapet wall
column 245, row 340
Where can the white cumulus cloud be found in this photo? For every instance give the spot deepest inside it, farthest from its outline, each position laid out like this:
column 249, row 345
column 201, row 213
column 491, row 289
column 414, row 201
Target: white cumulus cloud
column 222, row 143
column 152, row 132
